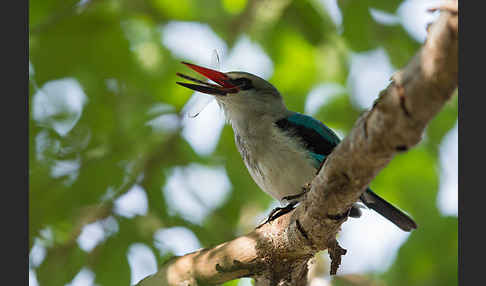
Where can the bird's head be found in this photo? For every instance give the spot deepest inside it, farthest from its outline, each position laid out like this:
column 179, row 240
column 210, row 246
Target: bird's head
column 241, row 94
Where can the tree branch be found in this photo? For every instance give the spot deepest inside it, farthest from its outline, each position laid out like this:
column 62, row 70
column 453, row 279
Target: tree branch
column 277, row 253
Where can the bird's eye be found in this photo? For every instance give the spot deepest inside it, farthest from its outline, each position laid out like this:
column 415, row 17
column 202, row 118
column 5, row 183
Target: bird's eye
column 243, row 83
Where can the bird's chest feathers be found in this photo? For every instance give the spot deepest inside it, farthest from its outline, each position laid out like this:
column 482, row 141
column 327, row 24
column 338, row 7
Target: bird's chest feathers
column 277, row 162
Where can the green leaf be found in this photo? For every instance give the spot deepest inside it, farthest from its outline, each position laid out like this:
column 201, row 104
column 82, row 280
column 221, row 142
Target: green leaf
column 60, row 265
column 440, row 125
column 358, row 25
column 314, row 26
column 398, row 44
column 339, row 112
column 110, row 263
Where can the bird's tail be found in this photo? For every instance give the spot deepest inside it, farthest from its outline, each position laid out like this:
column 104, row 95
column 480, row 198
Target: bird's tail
column 390, row 212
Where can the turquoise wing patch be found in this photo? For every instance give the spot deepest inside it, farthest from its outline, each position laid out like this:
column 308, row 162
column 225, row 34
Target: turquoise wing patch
column 309, row 122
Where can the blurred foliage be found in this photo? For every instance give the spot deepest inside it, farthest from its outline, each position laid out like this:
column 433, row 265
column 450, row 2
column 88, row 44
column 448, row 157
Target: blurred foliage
column 113, row 49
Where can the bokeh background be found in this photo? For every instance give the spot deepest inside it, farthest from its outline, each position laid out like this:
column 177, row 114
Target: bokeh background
column 121, row 179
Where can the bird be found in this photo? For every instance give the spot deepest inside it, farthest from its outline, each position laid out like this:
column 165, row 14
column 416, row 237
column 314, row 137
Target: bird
column 283, row 150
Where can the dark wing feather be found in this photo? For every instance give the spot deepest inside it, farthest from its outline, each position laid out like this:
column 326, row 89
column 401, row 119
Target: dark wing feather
column 317, row 138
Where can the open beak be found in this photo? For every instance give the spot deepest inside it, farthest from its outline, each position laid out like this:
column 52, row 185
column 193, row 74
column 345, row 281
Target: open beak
column 223, row 86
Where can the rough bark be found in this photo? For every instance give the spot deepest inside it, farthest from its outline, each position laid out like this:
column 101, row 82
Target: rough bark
column 277, row 253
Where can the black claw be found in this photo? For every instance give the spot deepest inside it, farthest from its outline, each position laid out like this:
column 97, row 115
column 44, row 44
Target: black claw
column 339, row 216
column 355, row 212
column 277, row 212
column 321, row 165
column 293, row 198
column 401, row 148
column 301, row 229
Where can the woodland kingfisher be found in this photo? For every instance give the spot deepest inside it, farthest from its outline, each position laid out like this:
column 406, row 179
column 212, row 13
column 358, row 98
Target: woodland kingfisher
column 282, row 149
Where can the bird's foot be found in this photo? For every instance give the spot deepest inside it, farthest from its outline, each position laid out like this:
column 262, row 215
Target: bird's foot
column 355, row 211
column 321, row 165
column 277, row 212
column 293, row 201
column 294, row 198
